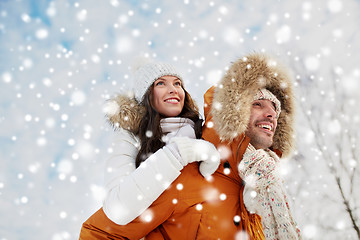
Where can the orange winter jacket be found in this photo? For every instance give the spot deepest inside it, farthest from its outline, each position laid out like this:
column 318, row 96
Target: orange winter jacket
column 192, row 207
column 175, row 214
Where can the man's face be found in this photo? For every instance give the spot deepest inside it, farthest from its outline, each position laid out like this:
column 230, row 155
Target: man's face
column 262, row 124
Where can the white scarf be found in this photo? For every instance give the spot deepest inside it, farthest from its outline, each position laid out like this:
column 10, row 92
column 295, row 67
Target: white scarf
column 259, row 170
column 177, row 126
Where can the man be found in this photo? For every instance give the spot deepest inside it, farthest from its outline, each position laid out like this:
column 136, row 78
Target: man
column 249, row 118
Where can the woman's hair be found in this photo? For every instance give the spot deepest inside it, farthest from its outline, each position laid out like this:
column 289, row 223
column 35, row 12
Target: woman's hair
column 149, row 131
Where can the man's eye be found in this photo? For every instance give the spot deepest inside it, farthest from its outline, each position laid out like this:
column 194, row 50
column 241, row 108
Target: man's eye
column 256, row 104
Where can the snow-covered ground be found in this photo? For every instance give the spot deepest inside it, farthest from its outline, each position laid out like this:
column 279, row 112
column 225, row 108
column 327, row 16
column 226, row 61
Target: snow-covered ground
column 60, row 60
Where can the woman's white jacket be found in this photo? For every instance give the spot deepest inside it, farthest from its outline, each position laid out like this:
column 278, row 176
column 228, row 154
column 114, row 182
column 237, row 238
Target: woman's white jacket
column 131, row 190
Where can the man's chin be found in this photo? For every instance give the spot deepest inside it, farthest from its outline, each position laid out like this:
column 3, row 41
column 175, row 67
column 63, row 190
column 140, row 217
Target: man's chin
column 261, row 143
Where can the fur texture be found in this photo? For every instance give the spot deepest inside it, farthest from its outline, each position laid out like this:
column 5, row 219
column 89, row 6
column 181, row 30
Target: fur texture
column 124, row 111
column 233, row 96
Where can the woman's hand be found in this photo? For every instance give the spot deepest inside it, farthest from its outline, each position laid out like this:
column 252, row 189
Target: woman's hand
column 198, row 150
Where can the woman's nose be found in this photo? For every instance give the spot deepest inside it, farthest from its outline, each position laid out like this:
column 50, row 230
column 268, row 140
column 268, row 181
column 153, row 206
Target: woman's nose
column 172, row 89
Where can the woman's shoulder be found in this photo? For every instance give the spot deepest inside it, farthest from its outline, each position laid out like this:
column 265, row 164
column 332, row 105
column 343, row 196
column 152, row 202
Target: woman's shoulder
column 127, row 136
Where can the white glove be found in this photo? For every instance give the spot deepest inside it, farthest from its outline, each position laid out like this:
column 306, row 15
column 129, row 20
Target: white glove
column 198, row 150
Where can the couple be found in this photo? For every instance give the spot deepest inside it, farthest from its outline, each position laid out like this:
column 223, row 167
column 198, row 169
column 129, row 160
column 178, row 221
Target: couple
column 172, row 177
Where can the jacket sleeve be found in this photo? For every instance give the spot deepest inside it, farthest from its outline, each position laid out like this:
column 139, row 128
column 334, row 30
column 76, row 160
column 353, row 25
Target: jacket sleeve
column 131, row 190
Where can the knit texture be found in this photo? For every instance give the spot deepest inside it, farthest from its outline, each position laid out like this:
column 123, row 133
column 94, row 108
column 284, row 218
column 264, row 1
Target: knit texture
column 147, row 74
column 266, row 94
column 259, row 169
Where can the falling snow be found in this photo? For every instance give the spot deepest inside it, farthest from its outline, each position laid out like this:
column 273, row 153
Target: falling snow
column 60, row 61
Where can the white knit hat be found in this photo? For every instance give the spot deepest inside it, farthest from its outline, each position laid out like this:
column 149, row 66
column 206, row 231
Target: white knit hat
column 146, row 72
column 266, row 94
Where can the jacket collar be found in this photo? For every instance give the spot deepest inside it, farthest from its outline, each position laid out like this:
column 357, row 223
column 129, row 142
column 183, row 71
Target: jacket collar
column 124, row 111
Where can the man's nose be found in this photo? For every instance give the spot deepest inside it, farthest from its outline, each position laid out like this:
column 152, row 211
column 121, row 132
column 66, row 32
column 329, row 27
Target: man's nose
column 270, row 112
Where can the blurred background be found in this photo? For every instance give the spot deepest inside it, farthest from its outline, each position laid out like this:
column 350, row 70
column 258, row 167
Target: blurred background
column 60, row 61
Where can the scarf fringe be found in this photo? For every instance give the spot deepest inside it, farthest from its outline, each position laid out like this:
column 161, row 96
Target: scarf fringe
column 253, row 226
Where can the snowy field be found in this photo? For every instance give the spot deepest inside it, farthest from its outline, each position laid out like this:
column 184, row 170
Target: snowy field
column 60, row 60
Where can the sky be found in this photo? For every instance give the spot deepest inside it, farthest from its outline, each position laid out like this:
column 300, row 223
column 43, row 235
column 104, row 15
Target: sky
column 61, row 60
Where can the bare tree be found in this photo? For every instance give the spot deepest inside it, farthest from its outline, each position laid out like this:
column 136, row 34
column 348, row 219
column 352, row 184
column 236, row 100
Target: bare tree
column 327, row 107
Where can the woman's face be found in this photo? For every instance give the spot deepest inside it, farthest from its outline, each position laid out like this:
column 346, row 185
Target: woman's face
column 168, row 96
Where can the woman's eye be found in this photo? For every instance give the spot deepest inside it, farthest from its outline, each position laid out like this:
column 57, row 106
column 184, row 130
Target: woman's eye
column 159, row 83
column 177, row 83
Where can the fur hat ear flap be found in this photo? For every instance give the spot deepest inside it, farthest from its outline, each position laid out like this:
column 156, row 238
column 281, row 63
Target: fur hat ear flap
column 124, row 111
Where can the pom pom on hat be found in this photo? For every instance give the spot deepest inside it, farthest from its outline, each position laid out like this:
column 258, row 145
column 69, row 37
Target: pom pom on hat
column 138, row 63
column 146, row 72
column 266, row 94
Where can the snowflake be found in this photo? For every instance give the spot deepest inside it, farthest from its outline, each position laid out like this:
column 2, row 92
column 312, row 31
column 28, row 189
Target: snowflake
column 312, row 63
column 310, row 231
column 149, row 134
column 41, row 33
column 111, row 108
column 335, row 6
column 82, row 15
column 147, row 216
column 179, row 186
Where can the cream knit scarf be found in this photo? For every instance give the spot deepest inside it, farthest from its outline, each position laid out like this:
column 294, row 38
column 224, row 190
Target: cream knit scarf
column 259, row 169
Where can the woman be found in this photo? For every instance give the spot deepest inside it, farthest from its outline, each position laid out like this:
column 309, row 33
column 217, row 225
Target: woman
column 157, row 138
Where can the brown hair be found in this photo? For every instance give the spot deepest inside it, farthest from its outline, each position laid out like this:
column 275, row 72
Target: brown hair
column 149, row 131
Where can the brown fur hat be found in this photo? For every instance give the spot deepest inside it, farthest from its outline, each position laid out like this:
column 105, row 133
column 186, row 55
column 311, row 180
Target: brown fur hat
column 234, row 94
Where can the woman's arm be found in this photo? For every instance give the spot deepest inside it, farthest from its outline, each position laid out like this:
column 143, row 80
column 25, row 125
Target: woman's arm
column 132, row 190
